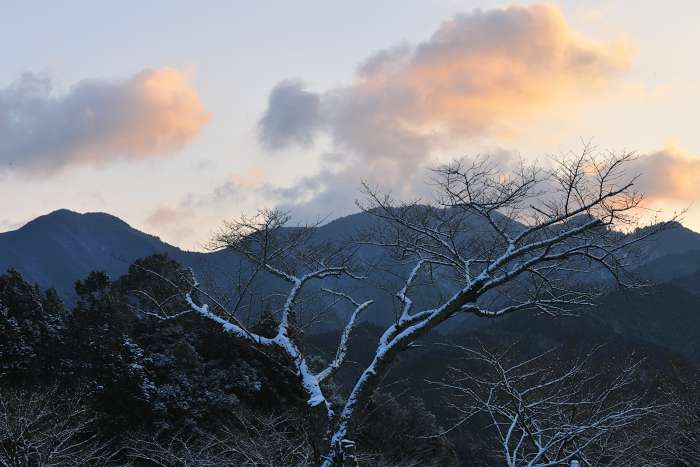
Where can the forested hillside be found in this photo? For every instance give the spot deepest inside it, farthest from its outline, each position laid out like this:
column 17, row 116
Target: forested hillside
column 111, row 386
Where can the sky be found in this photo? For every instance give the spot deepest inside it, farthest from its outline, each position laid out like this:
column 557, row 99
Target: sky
column 176, row 116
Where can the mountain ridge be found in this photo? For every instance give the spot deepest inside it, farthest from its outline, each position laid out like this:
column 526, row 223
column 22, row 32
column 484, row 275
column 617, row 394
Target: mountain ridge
column 58, row 248
column 61, row 247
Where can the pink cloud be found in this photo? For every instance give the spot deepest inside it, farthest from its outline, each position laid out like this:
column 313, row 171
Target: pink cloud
column 155, row 113
column 669, row 174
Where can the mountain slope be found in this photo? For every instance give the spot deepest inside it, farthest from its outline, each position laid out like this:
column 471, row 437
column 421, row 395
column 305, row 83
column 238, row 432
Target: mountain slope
column 665, row 315
column 673, row 241
column 57, row 249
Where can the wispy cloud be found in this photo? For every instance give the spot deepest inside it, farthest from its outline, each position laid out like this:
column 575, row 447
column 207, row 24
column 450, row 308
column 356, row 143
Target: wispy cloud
column 181, row 222
column 153, row 114
column 165, row 216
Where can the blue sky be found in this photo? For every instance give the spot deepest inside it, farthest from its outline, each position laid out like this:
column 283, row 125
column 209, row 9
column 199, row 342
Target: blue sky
column 179, row 169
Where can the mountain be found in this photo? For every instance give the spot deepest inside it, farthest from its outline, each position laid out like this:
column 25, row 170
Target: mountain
column 666, row 315
column 675, row 240
column 59, row 248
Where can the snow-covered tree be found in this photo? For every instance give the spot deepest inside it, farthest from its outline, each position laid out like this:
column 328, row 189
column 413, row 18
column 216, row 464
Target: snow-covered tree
column 492, row 244
column 252, row 440
column 30, row 328
column 47, row 428
column 679, row 440
column 545, row 412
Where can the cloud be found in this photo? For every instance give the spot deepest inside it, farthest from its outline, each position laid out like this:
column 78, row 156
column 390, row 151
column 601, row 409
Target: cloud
column 181, row 222
column 670, row 174
column 234, row 189
column 166, row 216
column 478, row 74
column 152, row 114
column 292, row 116
column 175, row 222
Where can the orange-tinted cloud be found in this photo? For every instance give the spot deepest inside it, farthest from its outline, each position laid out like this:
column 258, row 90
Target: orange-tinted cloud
column 670, row 174
column 235, row 188
column 153, row 114
column 475, row 72
column 485, row 66
column 479, row 72
column 252, row 179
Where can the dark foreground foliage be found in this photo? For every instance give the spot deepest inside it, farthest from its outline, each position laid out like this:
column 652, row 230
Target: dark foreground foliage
column 100, row 384
column 149, row 392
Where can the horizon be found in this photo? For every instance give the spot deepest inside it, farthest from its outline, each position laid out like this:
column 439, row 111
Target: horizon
column 181, row 135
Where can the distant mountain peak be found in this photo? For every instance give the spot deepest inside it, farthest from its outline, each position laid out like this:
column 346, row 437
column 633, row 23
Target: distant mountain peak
column 63, row 212
column 68, row 218
column 62, row 246
column 69, row 214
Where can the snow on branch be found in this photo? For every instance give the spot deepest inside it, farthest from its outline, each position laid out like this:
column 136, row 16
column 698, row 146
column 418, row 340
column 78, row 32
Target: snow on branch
column 282, row 252
column 345, row 335
column 547, row 413
column 537, row 239
column 494, row 242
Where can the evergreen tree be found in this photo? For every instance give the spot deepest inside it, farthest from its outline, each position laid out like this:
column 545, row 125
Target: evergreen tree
column 30, row 330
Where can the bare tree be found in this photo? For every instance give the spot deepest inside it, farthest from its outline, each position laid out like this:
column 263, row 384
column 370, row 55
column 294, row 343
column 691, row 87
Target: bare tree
column 288, row 255
column 543, row 226
column 544, row 413
column 497, row 243
column 680, row 427
column 47, row 429
column 274, row 440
